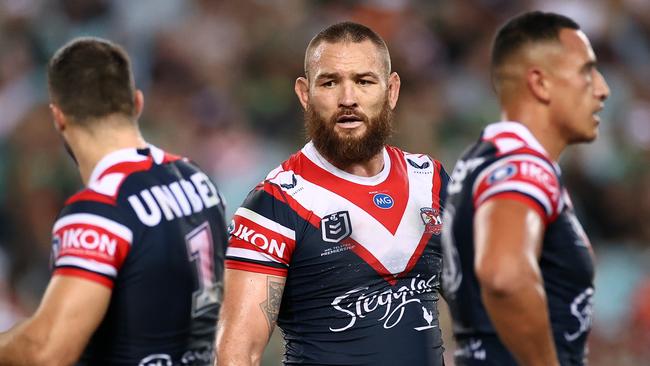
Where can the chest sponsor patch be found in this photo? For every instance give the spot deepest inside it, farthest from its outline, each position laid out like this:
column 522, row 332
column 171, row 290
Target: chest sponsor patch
column 382, row 200
column 393, row 304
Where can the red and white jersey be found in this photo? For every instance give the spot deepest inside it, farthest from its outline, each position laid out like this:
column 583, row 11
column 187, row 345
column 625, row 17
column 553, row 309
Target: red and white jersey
column 151, row 227
column 361, row 256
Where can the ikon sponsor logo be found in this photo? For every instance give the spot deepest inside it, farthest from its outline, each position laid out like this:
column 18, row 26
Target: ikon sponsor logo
column 539, row 174
column 357, row 304
column 259, row 240
column 89, row 239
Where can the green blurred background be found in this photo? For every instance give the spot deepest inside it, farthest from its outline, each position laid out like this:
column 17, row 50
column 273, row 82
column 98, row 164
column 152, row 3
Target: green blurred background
column 218, row 82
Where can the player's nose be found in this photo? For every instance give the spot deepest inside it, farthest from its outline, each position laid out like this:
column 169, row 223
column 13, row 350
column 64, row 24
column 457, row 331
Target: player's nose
column 347, row 95
column 602, row 89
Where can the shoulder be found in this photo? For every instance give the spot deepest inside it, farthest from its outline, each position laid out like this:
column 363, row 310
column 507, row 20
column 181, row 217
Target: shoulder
column 522, row 173
column 90, row 239
column 93, row 210
column 419, row 162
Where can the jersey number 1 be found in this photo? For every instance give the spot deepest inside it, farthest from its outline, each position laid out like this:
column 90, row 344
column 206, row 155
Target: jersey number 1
column 200, row 250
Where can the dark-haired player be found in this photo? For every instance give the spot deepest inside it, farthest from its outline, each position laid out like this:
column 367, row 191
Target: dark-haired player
column 341, row 243
column 137, row 255
column 518, row 266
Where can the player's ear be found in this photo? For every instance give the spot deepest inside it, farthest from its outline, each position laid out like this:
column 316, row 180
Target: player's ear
column 138, row 101
column 538, row 84
column 302, row 91
column 60, row 121
column 394, row 84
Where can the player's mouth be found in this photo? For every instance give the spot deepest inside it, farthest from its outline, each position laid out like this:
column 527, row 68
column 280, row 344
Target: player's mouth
column 349, row 121
column 595, row 114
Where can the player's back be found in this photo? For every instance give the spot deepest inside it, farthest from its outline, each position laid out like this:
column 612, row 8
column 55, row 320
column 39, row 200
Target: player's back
column 151, row 227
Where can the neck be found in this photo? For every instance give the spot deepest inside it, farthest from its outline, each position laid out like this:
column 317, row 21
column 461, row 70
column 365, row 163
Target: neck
column 537, row 120
column 90, row 146
column 369, row 168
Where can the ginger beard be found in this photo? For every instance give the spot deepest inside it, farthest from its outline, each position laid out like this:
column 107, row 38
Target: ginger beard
column 343, row 150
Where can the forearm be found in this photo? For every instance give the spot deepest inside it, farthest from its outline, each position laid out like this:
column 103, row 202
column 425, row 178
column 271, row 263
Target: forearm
column 522, row 323
column 248, row 316
column 18, row 347
column 232, row 353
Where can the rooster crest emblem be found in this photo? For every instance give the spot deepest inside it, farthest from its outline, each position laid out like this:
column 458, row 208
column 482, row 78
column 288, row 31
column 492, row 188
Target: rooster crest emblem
column 432, row 220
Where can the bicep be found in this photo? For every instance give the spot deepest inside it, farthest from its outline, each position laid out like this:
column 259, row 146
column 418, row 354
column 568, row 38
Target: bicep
column 70, row 312
column 249, row 312
column 507, row 238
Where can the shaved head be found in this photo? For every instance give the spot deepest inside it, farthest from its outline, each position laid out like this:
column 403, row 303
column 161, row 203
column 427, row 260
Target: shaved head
column 526, row 40
column 345, row 32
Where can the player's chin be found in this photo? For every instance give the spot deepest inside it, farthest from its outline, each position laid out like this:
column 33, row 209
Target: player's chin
column 587, row 136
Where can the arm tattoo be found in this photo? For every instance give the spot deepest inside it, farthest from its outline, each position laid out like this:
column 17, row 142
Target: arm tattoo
column 271, row 306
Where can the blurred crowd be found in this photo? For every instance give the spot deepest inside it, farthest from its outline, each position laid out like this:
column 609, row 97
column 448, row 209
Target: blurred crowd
column 218, row 82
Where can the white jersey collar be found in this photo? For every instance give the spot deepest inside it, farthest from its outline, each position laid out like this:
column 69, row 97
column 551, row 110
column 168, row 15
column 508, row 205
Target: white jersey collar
column 314, row 156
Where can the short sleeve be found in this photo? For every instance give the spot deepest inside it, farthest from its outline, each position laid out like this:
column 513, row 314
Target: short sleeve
column 262, row 233
column 524, row 177
column 90, row 244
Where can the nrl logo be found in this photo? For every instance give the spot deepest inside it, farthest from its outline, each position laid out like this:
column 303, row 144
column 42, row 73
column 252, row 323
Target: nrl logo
column 432, row 220
column 336, row 227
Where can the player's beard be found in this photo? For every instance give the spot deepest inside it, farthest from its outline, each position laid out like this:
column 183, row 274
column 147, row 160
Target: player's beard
column 344, row 150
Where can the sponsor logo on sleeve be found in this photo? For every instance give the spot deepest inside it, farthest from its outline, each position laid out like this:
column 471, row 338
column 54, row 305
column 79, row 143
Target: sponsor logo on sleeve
column 85, row 240
column 56, row 248
column 260, row 239
column 502, row 173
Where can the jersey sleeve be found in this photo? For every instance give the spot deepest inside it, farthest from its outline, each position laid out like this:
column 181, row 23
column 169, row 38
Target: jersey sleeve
column 90, row 242
column 523, row 177
column 262, row 233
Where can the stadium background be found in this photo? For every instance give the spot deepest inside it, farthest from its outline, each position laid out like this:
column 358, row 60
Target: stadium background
column 218, row 82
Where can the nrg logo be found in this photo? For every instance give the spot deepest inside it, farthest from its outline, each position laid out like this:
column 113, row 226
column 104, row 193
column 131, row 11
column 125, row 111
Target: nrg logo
column 383, row 200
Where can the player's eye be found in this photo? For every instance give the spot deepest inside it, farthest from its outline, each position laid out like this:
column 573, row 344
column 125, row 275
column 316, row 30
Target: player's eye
column 328, row 83
column 364, row 82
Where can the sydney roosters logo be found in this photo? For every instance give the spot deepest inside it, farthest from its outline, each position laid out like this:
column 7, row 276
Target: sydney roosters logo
column 432, row 220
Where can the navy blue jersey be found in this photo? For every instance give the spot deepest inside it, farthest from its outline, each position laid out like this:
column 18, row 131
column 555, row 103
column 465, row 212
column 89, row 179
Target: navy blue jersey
column 508, row 162
column 361, row 257
column 151, row 227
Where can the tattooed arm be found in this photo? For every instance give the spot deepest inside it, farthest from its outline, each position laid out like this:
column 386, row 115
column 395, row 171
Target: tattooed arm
column 248, row 315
